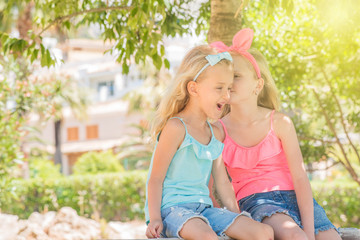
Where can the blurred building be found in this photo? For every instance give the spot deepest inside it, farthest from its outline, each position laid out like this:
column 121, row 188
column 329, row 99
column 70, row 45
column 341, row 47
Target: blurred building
column 108, row 123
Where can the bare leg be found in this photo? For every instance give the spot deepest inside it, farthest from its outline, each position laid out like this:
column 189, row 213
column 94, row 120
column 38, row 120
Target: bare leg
column 196, row 228
column 249, row 229
column 285, row 227
column 330, row 234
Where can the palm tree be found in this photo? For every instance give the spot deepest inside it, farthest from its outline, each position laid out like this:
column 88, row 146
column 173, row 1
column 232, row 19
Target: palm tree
column 74, row 97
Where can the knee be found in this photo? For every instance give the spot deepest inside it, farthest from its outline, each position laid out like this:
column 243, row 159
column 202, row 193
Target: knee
column 268, row 232
column 265, row 232
column 297, row 235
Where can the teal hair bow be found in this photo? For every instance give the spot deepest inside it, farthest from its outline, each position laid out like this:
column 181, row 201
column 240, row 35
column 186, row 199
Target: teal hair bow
column 214, row 59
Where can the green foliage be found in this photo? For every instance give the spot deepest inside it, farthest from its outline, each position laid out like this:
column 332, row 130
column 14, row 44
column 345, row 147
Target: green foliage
column 112, row 196
column 97, row 162
column 43, row 168
column 121, row 196
column 136, row 27
column 340, row 201
column 22, row 93
column 313, row 58
column 137, row 151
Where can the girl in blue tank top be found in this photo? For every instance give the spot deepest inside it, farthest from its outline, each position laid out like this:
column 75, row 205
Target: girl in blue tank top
column 188, row 149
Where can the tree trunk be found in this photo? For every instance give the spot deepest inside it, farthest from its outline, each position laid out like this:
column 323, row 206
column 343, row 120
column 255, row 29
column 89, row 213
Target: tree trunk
column 58, row 123
column 24, row 23
column 57, row 156
column 223, row 24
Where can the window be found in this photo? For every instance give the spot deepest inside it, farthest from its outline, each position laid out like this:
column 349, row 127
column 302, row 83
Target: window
column 105, row 90
column 92, row 132
column 72, row 133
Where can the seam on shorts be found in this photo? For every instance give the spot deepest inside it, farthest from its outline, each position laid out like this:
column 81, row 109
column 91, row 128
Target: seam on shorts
column 243, row 213
column 284, row 212
column 181, row 226
column 325, row 228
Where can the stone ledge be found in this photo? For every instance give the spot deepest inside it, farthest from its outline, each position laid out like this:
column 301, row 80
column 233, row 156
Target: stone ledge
column 346, row 234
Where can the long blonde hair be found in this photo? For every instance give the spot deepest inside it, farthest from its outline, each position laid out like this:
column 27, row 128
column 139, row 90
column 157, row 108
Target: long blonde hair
column 177, row 96
column 268, row 97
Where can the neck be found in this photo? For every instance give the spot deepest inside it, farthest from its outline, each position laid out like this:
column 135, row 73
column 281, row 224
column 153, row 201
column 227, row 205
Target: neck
column 193, row 115
column 244, row 113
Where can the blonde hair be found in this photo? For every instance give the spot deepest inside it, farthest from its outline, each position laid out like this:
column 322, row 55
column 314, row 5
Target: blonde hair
column 268, row 97
column 177, row 96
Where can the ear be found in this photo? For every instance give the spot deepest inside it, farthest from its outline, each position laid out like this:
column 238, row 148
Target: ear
column 260, row 84
column 192, row 88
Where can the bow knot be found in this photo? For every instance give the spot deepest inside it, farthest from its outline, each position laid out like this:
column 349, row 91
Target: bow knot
column 214, row 59
column 241, row 43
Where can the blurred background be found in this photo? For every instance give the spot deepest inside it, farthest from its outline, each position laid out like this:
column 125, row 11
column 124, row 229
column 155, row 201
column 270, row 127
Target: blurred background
column 80, row 81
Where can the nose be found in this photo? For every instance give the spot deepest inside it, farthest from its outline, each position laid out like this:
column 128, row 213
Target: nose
column 226, row 95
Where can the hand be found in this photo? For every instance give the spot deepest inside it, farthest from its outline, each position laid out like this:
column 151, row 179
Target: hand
column 154, row 229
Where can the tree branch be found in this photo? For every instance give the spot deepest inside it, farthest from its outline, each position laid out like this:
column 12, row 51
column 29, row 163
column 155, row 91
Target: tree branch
column 339, row 160
column 332, row 129
column 302, row 137
column 101, row 9
column 341, row 113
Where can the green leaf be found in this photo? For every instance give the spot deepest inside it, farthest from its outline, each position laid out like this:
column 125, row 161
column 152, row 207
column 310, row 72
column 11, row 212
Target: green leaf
column 144, row 7
column 44, row 58
column 166, row 63
column 162, row 50
column 133, row 12
column 48, row 58
column 137, row 57
column 4, row 38
column 67, row 24
column 157, row 61
column 125, row 68
column 42, row 49
column 34, row 55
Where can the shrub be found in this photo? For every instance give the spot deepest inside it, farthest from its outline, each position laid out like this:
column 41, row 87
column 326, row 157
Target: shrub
column 43, row 168
column 97, row 162
column 121, row 196
column 111, row 196
column 340, row 200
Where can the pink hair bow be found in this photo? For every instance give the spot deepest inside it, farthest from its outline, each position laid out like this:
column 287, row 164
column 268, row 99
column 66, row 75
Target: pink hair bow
column 241, row 43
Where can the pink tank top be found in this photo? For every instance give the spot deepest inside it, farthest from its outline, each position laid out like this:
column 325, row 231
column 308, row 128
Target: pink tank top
column 261, row 168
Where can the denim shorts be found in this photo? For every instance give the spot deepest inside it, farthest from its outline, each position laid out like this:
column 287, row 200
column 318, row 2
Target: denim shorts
column 175, row 217
column 261, row 205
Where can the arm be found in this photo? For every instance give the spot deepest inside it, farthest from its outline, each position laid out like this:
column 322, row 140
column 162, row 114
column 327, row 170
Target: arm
column 285, row 130
column 223, row 186
column 220, row 178
column 220, row 135
column 165, row 151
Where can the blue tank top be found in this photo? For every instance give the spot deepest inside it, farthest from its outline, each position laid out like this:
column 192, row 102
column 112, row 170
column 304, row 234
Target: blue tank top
column 188, row 175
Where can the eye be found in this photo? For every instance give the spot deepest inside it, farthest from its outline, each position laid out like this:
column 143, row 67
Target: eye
column 237, row 76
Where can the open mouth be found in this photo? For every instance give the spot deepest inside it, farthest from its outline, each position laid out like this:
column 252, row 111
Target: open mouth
column 219, row 106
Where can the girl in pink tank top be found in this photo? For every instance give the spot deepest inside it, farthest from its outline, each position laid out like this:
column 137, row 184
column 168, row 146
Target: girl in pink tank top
column 262, row 153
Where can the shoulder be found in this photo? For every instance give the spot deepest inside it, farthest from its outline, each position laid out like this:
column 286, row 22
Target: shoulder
column 218, row 131
column 174, row 130
column 282, row 124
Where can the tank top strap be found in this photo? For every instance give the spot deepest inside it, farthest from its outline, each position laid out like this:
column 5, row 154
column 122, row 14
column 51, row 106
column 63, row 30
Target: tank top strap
column 271, row 119
column 223, row 125
column 211, row 129
column 182, row 121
